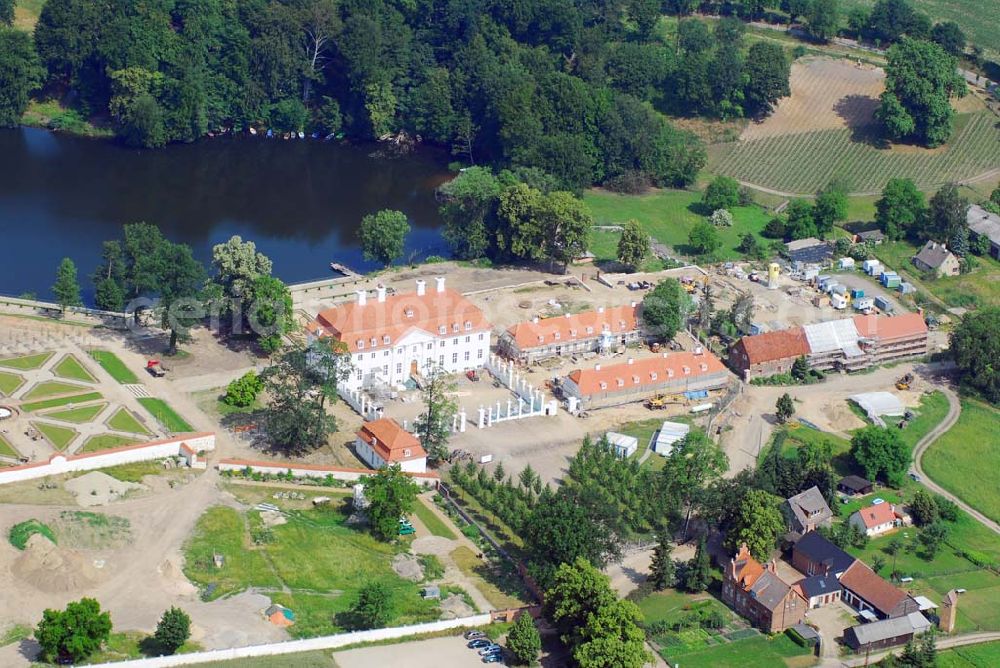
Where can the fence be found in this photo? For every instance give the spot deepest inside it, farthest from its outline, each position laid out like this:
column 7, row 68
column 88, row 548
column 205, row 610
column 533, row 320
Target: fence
column 110, row 318
column 531, row 401
column 306, row 645
column 186, row 445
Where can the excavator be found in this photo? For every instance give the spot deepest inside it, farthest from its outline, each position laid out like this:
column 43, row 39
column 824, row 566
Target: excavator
column 904, row 382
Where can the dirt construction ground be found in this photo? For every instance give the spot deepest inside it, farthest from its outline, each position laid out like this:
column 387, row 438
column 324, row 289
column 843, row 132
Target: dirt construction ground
column 826, row 95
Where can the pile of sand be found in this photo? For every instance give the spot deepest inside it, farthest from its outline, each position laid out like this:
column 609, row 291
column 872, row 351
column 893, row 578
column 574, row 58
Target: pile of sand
column 49, row 568
column 408, row 567
column 455, row 607
column 98, row 489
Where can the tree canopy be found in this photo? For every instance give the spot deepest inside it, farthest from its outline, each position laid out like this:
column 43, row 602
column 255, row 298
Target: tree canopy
column 665, row 307
column 20, row 72
column 74, row 633
column 975, row 344
column 881, row 453
column 390, row 494
column 383, row 236
column 900, row 210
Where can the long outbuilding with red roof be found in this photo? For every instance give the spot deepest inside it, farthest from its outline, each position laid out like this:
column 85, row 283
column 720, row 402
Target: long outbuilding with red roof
column 571, row 334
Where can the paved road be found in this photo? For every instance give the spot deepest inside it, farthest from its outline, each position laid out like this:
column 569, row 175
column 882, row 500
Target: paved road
column 954, row 409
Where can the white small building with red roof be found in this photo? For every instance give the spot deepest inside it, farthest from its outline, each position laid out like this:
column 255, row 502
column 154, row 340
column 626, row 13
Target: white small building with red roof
column 384, row 442
column 393, row 337
column 877, row 519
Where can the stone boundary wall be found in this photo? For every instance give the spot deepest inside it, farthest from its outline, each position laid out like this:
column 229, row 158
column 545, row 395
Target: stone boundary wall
column 306, row 645
column 126, row 454
column 317, row 472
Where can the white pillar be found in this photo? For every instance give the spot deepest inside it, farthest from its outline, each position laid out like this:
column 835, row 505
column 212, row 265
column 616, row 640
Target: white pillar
column 482, row 417
column 508, row 408
column 461, row 422
column 520, row 406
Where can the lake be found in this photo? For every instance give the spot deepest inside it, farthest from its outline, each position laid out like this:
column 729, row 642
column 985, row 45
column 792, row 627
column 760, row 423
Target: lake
column 300, row 201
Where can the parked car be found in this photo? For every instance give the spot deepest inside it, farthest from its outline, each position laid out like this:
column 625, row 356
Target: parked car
column 493, row 658
column 474, row 633
column 490, row 649
column 479, row 643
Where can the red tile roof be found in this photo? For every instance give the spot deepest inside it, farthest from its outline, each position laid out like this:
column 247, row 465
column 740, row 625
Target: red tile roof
column 619, row 319
column 356, row 325
column 867, row 584
column 650, row 371
column 778, row 345
column 876, row 515
column 391, row 441
column 886, row 328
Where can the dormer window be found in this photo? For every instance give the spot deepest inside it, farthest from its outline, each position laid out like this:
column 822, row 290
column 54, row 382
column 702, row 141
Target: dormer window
column 572, row 332
column 590, row 330
column 361, row 344
column 687, row 370
column 604, row 385
column 374, row 342
column 652, row 375
column 670, row 373
column 621, row 383
column 704, row 367
column 454, row 327
column 406, row 452
column 442, row 329
column 621, row 323
column 468, row 325
column 556, row 336
column 541, row 339
column 385, row 339
column 408, row 313
column 635, row 379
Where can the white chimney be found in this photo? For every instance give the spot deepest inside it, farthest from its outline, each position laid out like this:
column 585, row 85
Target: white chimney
column 362, row 297
column 633, row 304
column 698, row 350
column 566, row 315
column 600, row 309
column 381, row 292
column 535, row 320
column 597, row 367
column 631, row 360
column 440, row 283
column 421, row 287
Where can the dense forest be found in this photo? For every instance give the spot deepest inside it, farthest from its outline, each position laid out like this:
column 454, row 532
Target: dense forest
column 573, row 88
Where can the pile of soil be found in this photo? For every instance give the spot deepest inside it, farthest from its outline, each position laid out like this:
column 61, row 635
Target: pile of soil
column 50, row 568
column 98, row 489
column 454, row 607
column 408, row 567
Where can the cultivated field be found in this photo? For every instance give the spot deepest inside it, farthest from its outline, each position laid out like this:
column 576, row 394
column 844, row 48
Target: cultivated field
column 826, row 130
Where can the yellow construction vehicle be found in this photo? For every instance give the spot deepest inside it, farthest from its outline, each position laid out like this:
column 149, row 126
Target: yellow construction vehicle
column 904, row 382
column 660, row 401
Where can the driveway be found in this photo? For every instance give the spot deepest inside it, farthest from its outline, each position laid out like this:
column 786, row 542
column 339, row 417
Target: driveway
column 435, row 653
column 831, row 620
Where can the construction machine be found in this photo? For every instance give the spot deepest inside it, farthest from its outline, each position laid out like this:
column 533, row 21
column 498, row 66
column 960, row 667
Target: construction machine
column 904, row 382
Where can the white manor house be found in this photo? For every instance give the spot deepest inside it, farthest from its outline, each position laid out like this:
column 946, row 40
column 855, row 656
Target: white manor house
column 392, row 337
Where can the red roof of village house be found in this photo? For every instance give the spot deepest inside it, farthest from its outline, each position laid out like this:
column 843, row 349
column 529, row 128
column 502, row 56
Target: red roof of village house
column 890, row 327
column 396, row 316
column 646, row 372
column 866, row 583
column 573, row 327
column 874, row 516
column 391, row 441
column 777, row 345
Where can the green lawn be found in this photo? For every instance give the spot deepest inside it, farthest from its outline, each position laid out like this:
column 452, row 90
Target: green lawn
column 756, row 652
column 643, row 431
column 165, row 415
column 669, row 605
column 9, row 383
column 985, row 655
column 78, row 415
column 70, row 367
column 789, row 163
column 59, row 437
column 931, row 411
column 502, row 590
column 434, row 524
column 26, row 362
column 979, row 287
column 26, row 13
column 124, row 420
column 135, row 471
column 316, row 556
column 966, row 459
column 131, row 645
column 61, row 401
column 799, row 435
column 114, row 366
column 50, row 388
column 105, row 441
column 6, row 449
column 667, row 216
column 315, row 659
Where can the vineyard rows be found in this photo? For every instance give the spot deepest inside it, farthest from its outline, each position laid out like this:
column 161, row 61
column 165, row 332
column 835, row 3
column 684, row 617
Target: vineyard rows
column 805, row 162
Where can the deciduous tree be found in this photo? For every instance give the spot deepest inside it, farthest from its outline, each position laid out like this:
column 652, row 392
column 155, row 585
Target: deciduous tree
column 173, row 630
column 830, row 207
column 374, row 606
column 469, row 210
column 20, row 72
column 390, row 494
column 693, row 463
column 881, row 453
column 633, row 246
column 975, row 345
column 704, row 238
column 523, row 640
column 767, row 73
column 243, row 391
column 785, row 408
column 73, row 634
column 758, row 523
column 901, row 210
column 237, row 265
column 722, row 193
column 383, row 236
column 433, row 425
column 66, row 288
column 947, row 214
column 949, row 37
column 664, row 308
column 822, row 19
column 801, row 220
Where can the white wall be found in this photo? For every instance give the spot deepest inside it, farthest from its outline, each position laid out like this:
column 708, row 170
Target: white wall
column 307, row 645
column 318, row 472
column 392, row 364
column 60, row 463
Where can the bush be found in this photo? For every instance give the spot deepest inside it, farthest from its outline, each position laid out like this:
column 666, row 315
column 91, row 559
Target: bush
column 243, row 391
column 20, row 533
column 630, row 183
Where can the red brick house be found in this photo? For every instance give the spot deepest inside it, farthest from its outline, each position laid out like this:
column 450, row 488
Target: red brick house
column 767, row 354
column 757, row 593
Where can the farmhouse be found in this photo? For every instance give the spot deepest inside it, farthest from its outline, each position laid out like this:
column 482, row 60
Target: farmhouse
column 807, row 511
column 768, row 354
column 877, row 519
column 815, row 555
column 886, row 633
column 819, row 590
column 982, row 223
column 935, row 257
column 395, row 337
column 756, row 592
column 384, row 442
column 593, row 331
column 864, row 590
column 634, row 380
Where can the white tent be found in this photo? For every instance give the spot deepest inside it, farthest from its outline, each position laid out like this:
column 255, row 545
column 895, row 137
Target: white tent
column 877, row 404
column 669, row 433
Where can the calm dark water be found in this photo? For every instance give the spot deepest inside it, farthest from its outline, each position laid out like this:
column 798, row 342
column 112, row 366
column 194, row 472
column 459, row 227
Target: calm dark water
column 301, row 201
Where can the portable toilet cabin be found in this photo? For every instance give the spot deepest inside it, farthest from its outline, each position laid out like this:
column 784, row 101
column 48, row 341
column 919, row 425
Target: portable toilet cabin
column 838, row 301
